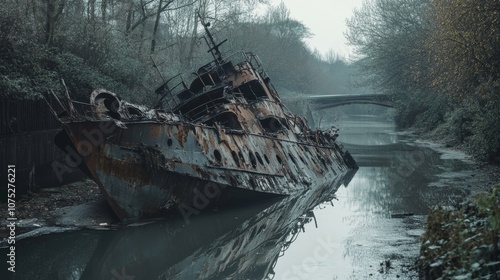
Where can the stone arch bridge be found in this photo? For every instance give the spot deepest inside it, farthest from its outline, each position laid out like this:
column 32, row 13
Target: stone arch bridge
column 320, row 102
column 305, row 105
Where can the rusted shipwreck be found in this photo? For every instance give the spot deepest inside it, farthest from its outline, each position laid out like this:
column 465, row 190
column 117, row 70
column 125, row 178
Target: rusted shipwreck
column 222, row 136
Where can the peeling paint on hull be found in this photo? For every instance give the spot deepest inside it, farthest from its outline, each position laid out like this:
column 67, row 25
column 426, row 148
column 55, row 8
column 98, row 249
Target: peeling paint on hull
column 142, row 173
column 224, row 137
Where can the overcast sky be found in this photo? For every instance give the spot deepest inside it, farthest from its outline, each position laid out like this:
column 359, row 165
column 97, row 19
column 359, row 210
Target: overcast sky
column 327, row 21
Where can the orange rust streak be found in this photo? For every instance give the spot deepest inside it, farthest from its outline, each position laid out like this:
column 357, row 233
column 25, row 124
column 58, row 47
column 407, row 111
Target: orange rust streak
column 129, row 172
column 181, row 135
column 156, row 130
column 204, row 143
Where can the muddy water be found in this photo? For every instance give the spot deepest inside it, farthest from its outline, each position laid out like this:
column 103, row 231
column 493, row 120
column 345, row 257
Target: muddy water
column 361, row 227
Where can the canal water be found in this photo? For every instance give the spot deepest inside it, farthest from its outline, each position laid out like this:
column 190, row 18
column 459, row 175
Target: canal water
column 361, row 226
column 373, row 224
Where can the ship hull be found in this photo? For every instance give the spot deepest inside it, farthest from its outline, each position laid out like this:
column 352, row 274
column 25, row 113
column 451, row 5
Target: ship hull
column 145, row 168
column 221, row 136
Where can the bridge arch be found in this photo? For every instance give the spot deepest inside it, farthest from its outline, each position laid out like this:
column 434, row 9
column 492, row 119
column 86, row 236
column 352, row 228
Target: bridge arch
column 329, row 101
column 338, row 104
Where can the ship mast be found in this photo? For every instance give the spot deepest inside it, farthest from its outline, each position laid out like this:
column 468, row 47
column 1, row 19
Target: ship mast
column 214, row 48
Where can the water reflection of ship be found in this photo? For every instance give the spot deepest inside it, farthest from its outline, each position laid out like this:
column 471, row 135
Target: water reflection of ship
column 293, row 234
column 242, row 243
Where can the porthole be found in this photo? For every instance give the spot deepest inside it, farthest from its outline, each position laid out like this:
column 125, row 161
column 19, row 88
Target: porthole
column 252, row 159
column 235, row 158
column 292, row 158
column 259, row 158
column 169, row 142
column 302, row 159
column 242, row 158
column 278, row 158
column 217, row 156
column 266, row 158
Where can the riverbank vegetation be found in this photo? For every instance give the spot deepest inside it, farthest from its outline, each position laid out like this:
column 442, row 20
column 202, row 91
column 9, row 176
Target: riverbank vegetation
column 112, row 44
column 440, row 61
column 463, row 243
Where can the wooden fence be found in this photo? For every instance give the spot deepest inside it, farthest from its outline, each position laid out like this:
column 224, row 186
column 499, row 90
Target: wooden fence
column 27, row 130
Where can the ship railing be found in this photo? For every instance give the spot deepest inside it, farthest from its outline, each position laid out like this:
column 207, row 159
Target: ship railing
column 198, row 112
column 256, row 63
column 239, row 57
column 74, row 109
column 175, row 90
column 169, row 91
column 251, row 57
column 83, row 109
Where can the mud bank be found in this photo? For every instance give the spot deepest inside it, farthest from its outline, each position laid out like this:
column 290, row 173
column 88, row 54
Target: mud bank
column 461, row 239
column 486, row 175
column 71, row 206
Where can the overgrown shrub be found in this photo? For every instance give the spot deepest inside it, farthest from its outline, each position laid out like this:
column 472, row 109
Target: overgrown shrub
column 485, row 140
column 457, row 126
column 406, row 112
column 464, row 243
column 422, row 110
column 81, row 78
column 435, row 108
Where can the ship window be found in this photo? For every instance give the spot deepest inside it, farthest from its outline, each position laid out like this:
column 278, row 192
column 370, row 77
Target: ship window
column 111, row 102
column 272, row 124
column 134, row 111
column 202, row 104
column 235, row 158
column 242, row 158
column 266, row 158
column 302, row 159
column 203, row 79
column 292, row 158
column 185, row 95
column 217, row 155
column 252, row 159
column 252, row 90
column 259, row 158
column 169, row 142
column 227, row 120
column 278, row 158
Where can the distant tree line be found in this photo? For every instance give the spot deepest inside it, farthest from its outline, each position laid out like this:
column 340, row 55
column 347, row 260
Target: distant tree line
column 112, row 44
column 440, row 60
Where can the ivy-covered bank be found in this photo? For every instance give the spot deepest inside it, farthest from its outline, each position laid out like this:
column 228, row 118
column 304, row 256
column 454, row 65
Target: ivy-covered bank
column 463, row 243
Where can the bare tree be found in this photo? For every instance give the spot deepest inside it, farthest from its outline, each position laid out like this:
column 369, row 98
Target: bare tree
column 53, row 12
